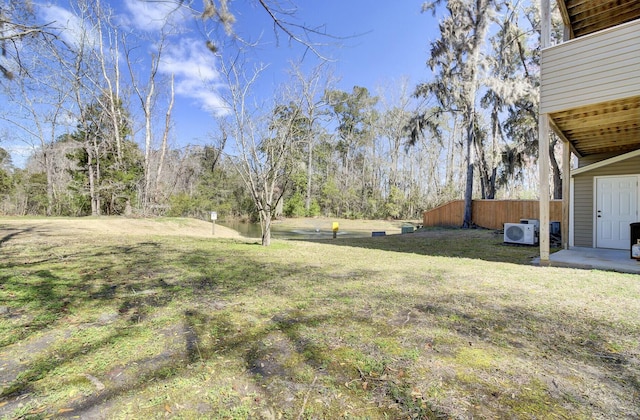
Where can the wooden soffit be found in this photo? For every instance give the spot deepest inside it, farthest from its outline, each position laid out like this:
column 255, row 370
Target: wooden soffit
column 608, row 127
column 583, row 17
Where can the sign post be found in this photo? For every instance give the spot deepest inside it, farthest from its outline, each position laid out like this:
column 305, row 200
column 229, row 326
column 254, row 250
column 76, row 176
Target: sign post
column 214, row 217
column 335, row 227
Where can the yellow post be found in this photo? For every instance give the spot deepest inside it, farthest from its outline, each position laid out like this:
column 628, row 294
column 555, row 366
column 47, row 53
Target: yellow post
column 335, row 228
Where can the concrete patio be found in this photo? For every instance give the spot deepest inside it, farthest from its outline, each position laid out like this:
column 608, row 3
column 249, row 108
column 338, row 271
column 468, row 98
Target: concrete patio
column 594, row 259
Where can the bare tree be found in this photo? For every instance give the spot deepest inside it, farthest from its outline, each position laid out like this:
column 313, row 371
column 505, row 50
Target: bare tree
column 41, row 117
column 310, row 88
column 165, row 140
column 41, row 103
column 264, row 141
column 82, row 70
column 147, row 100
column 354, row 115
column 16, row 24
column 396, row 114
column 110, row 66
column 281, row 14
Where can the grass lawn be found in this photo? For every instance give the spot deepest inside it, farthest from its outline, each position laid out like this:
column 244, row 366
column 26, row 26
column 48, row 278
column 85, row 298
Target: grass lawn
column 119, row 323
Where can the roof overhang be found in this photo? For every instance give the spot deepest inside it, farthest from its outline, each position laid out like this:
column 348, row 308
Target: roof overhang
column 582, row 17
column 607, row 127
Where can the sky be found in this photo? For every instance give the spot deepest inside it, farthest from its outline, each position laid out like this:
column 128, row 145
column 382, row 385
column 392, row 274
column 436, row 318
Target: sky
column 373, row 43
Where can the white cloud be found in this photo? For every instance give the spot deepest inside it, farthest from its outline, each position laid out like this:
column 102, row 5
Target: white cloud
column 208, row 99
column 191, row 59
column 152, row 16
column 72, row 28
column 196, row 74
column 194, row 66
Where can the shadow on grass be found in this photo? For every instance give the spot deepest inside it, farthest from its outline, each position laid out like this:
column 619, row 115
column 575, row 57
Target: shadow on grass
column 481, row 244
column 132, row 283
column 18, row 232
column 284, row 362
column 51, row 359
column 136, row 281
column 558, row 337
column 40, row 296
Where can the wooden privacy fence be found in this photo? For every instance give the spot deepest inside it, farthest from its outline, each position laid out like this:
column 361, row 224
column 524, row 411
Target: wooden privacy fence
column 491, row 214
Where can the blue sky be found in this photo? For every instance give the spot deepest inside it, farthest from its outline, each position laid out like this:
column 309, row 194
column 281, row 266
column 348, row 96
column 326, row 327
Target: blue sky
column 382, row 40
column 382, row 43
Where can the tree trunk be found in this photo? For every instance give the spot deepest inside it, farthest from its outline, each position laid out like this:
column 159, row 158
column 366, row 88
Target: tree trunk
column 492, row 183
column 410, row 183
column 307, row 202
column 266, row 236
column 265, row 217
column 451, row 154
column 97, row 181
column 147, row 146
column 48, row 172
column 487, row 179
column 468, row 193
column 395, row 162
column 112, row 95
column 556, row 172
column 165, row 139
column 92, row 186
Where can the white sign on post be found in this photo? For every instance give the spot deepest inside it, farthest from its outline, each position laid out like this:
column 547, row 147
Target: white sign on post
column 214, row 216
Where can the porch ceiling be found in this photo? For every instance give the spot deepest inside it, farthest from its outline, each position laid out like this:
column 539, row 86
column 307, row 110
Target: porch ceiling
column 583, row 17
column 609, row 127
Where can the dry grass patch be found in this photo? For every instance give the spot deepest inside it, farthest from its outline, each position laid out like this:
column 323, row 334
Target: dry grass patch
column 441, row 324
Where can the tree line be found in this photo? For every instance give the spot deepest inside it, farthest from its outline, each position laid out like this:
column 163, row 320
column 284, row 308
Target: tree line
column 97, row 113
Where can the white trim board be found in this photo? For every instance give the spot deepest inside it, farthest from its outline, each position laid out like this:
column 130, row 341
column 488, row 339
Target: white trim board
column 605, row 162
column 571, row 213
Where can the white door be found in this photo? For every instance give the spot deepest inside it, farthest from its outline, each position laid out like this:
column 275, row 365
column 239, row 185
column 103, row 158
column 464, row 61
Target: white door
column 616, row 208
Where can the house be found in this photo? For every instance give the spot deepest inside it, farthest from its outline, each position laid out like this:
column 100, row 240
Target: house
column 590, row 97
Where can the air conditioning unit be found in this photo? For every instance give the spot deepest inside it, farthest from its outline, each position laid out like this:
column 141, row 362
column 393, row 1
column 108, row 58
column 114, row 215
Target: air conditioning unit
column 520, row 233
column 534, row 222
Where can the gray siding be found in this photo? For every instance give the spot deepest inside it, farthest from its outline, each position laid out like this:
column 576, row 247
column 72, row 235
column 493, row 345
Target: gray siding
column 583, row 211
column 600, row 67
column 583, row 197
column 591, row 159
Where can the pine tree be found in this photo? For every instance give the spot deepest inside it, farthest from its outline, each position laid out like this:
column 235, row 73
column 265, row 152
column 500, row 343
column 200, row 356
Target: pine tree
column 110, row 184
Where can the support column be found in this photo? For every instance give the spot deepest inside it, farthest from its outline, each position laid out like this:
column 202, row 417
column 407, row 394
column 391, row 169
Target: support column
column 566, row 193
column 543, row 170
column 543, row 142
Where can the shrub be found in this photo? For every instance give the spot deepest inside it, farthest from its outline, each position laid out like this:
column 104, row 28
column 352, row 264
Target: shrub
column 294, row 206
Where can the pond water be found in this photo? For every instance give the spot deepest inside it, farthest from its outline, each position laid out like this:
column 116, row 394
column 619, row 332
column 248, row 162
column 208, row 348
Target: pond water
column 252, row 230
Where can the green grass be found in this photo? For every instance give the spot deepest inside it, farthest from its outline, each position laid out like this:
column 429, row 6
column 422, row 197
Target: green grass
column 440, row 324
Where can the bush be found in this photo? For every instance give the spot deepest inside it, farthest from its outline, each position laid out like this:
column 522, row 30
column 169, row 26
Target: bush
column 182, row 205
column 314, row 209
column 393, row 205
column 294, row 206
